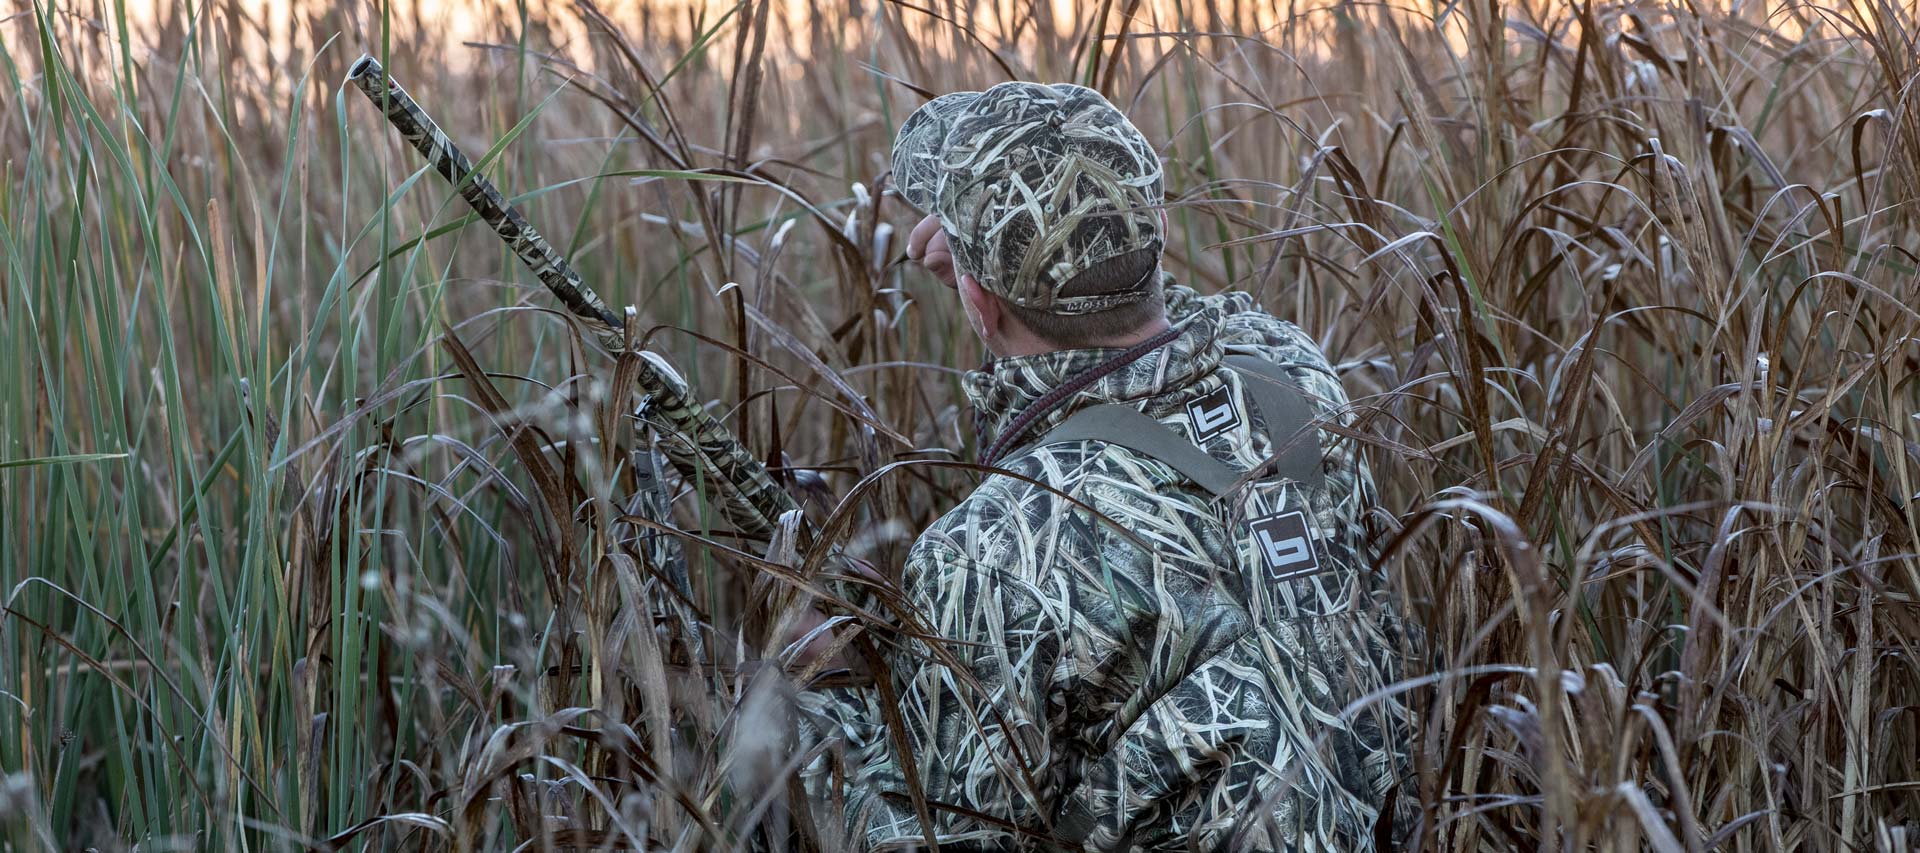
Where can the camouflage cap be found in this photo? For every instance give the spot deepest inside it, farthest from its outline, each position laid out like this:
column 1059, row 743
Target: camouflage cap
column 1035, row 184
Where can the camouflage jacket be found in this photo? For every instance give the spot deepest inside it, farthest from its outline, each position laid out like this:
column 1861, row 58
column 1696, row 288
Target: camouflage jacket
column 1123, row 681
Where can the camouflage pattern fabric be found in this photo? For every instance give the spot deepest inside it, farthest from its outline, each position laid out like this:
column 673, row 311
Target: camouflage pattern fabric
column 1035, row 184
column 1131, row 684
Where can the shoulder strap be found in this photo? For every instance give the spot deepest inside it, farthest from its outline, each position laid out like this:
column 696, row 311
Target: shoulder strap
column 1289, row 426
column 1129, row 428
column 1296, row 442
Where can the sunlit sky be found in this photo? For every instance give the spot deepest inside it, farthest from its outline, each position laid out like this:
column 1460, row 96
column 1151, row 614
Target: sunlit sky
column 269, row 27
column 459, row 21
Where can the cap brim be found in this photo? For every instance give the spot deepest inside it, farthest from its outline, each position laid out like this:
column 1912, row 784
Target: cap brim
column 918, row 146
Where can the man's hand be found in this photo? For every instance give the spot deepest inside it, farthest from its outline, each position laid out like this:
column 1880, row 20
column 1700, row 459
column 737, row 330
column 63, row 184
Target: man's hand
column 809, row 618
column 807, row 621
column 928, row 246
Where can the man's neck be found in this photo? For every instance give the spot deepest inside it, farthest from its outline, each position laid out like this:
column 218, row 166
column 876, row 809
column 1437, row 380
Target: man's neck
column 1021, row 342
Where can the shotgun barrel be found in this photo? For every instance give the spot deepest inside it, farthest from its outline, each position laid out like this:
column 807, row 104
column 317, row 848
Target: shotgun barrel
column 698, row 445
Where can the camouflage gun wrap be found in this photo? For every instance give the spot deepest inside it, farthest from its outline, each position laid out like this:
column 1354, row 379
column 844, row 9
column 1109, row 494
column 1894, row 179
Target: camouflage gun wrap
column 700, row 447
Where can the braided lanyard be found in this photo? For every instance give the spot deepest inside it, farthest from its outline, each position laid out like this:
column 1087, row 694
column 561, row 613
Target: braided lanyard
column 1053, row 399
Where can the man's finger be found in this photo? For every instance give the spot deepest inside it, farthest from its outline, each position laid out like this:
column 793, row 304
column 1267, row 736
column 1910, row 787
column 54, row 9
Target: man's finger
column 940, row 263
column 923, row 232
column 938, row 257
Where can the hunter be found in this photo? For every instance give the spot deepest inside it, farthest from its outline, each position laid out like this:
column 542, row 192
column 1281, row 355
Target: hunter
column 1155, row 620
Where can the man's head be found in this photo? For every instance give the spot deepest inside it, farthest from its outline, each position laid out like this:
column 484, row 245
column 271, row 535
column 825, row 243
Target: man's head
column 1044, row 200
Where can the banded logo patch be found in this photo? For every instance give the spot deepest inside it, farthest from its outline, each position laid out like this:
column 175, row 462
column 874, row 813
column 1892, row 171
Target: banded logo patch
column 1212, row 414
column 1286, row 544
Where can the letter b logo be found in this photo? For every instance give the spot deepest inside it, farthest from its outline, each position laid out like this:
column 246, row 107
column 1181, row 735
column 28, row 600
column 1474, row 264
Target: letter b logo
column 1285, row 544
column 1212, row 414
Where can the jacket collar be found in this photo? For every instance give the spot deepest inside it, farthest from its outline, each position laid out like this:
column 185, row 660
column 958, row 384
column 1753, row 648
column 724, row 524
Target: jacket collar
column 1004, row 388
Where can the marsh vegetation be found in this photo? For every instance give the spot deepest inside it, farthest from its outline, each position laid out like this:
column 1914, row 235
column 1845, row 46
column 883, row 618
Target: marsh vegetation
column 317, row 520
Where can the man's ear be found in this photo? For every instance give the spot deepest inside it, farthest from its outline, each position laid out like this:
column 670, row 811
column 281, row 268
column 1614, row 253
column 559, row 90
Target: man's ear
column 983, row 311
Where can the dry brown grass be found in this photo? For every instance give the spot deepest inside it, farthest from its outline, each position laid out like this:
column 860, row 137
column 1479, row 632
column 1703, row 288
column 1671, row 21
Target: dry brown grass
column 1625, row 295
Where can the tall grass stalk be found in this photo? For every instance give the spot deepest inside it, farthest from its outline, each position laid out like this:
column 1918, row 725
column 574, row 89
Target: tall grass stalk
column 319, row 527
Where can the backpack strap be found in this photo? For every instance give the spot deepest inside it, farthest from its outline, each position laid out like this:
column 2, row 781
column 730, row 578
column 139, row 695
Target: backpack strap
column 1296, row 441
column 1129, row 428
column 1290, row 427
